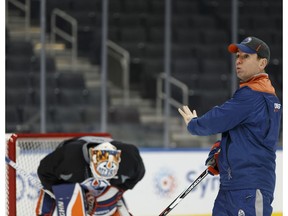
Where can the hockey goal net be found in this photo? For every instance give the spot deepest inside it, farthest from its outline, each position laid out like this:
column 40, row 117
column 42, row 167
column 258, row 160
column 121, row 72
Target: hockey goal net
column 23, row 154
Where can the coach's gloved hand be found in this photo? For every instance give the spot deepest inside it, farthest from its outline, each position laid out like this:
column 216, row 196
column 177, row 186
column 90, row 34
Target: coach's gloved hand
column 212, row 160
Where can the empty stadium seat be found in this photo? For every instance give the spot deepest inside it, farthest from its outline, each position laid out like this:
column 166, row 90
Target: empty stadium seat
column 219, row 66
column 116, row 6
column 213, row 82
column 186, row 66
column 18, row 81
column 93, row 97
column 92, row 115
column 51, row 81
column 129, row 20
column 74, row 98
column 157, row 7
column 71, row 80
column 182, row 51
column 153, row 20
column 185, row 7
column 12, row 116
column 155, row 35
column 136, row 6
column 125, row 114
column 20, row 48
column 154, row 50
column 216, row 36
column 186, row 36
column 52, row 97
column 12, row 119
column 200, row 21
column 49, row 63
column 136, row 35
column 19, row 64
column 180, row 20
column 16, row 97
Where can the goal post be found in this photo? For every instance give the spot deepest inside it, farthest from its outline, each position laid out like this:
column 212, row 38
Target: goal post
column 25, row 152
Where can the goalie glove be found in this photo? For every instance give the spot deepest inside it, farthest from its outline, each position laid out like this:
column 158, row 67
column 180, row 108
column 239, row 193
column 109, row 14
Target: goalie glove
column 93, row 188
column 212, row 160
column 105, row 204
column 101, row 198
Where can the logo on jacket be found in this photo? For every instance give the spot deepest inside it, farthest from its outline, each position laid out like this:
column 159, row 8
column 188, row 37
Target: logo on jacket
column 277, row 107
column 241, row 212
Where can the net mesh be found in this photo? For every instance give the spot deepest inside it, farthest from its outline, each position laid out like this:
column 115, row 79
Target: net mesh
column 22, row 186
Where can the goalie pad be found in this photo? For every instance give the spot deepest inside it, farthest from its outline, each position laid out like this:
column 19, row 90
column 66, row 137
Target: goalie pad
column 122, row 209
column 106, row 204
column 45, row 204
column 69, row 199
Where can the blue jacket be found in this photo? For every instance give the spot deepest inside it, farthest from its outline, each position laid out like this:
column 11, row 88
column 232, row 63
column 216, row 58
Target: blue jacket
column 249, row 123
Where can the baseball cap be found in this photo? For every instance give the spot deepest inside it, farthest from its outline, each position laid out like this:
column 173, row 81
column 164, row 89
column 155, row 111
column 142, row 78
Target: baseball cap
column 251, row 45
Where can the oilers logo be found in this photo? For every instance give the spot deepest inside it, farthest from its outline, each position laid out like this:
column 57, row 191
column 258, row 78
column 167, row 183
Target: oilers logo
column 165, row 183
column 247, row 40
column 277, row 107
column 241, row 212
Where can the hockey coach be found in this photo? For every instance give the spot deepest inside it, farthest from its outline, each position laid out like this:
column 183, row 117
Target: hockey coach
column 249, row 123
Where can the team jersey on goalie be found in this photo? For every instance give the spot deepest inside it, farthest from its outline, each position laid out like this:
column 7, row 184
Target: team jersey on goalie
column 69, row 163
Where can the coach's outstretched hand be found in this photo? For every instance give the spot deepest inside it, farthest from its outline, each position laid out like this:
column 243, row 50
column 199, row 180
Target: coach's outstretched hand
column 187, row 114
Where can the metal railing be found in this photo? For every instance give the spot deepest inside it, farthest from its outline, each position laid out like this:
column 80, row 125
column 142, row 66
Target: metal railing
column 70, row 37
column 25, row 7
column 161, row 94
column 123, row 56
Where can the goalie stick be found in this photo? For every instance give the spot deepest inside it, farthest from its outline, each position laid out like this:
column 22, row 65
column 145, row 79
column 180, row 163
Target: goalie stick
column 184, row 193
column 23, row 172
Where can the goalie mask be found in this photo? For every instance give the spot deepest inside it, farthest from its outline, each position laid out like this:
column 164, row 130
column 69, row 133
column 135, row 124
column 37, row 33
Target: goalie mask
column 104, row 160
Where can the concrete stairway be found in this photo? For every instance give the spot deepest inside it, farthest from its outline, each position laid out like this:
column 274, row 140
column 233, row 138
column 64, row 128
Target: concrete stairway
column 149, row 131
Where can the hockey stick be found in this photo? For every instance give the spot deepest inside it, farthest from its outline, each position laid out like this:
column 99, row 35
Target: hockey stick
column 23, row 172
column 184, row 193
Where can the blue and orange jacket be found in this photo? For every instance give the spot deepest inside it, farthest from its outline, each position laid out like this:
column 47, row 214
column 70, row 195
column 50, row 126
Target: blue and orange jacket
column 249, row 123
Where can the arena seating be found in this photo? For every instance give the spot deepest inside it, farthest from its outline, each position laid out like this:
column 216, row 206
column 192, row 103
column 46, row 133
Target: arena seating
column 67, row 97
column 201, row 31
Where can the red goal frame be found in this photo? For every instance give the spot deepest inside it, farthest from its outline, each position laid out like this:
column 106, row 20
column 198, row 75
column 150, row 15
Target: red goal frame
column 11, row 153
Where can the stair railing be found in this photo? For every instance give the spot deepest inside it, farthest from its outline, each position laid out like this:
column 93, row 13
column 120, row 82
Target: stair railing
column 123, row 56
column 25, row 7
column 70, row 37
column 161, row 95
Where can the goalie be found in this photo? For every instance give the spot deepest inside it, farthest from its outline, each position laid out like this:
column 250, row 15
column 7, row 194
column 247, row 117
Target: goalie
column 88, row 176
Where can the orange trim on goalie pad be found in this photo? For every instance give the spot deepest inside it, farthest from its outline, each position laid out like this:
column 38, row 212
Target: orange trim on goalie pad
column 76, row 205
column 39, row 202
column 45, row 204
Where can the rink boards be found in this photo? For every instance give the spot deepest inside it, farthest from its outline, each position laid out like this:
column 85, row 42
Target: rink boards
column 170, row 172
